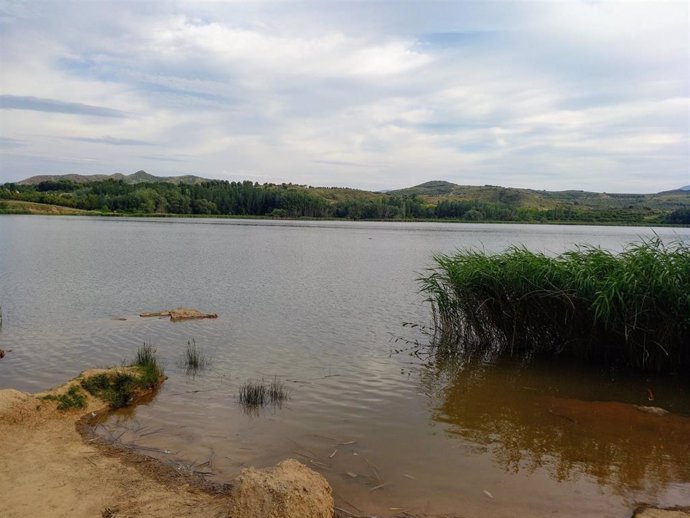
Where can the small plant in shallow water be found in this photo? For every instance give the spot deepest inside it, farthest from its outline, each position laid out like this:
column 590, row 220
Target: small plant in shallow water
column 146, row 355
column 194, row 360
column 277, row 393
column 253, row 394
column 256, row 394
column 151, row 369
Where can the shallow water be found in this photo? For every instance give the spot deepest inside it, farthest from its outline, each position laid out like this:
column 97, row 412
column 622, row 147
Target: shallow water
column 320, row 305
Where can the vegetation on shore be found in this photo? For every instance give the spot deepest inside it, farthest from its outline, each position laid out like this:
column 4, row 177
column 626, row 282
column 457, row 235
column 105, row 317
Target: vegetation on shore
column 26, row 207
column 632, row 308
column 120, row 388
column 432, row 200
column 73, row 398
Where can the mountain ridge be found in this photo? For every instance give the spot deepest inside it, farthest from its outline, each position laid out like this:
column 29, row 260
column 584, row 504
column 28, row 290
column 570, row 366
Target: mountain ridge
column 134, row 178
column 431, row 188
column 143, row 193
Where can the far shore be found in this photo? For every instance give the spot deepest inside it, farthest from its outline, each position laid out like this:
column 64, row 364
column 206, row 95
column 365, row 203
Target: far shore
column 15, row 207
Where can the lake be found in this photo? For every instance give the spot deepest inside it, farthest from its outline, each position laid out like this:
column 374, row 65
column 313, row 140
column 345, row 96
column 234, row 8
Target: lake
column 320, row 305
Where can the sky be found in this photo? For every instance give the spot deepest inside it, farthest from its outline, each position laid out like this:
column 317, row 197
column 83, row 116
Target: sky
column 552, row 95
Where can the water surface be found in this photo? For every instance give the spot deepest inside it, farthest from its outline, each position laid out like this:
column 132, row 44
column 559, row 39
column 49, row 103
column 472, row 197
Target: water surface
column 320, row 306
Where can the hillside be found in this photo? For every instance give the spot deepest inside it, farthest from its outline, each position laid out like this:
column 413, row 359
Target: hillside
column 26, row 207
column 436, row 191
column 145, row 194
column 134, row 178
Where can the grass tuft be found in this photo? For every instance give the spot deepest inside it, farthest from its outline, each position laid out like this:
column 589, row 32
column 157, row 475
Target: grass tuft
column 632, row 308
column 256, row 394
column 149, row 365
column 277, row 393
column 194, row 360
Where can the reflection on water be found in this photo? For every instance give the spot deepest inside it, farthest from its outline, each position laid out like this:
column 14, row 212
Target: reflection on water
column 563, row 421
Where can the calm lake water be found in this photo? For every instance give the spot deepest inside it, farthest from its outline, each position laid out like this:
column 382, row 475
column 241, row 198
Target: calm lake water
column 320, row 306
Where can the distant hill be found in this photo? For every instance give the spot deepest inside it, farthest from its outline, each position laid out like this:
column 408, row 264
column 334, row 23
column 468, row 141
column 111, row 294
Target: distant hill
column 433, row 188
column 134, row 178
column 436, row 191
column 142, row 193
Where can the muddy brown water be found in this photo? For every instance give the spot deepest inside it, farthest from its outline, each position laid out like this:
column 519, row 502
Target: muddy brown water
column 319, row 305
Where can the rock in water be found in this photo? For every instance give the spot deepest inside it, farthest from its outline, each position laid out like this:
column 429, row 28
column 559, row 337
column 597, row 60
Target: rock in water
column 288, row 490
column 178, row 314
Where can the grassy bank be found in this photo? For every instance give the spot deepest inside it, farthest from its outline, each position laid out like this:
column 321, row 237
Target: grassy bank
column 632, row 308
column 26, row 207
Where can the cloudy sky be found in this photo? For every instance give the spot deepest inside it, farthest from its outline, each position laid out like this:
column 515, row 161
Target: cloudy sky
column 378, row 95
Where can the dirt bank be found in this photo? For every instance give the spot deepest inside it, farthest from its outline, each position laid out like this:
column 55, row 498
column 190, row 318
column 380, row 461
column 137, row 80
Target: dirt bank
column 52, row 466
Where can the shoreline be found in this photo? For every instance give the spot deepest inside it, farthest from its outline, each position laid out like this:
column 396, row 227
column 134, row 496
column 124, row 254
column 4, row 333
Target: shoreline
column 240, row 217
column 26, row 208
column 54, row 464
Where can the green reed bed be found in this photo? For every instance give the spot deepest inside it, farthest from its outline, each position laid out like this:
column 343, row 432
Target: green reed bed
column 631, row 308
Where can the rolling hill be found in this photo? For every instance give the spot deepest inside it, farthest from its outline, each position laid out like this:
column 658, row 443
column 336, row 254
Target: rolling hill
column 146, row 194
column 436, row 191
column 134, row 178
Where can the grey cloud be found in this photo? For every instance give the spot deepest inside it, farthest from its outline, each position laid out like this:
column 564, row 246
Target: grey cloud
column 10, row 143
column 341, row 163
column 18, row 102
column 511, row 92
column 111, row 140
column 162, row 157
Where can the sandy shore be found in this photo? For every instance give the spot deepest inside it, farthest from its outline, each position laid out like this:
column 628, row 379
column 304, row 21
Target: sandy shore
column 52, row 465
column 50, row 469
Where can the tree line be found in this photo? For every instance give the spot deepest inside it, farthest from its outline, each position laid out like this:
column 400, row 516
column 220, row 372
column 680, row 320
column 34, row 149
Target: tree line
column 220, row 197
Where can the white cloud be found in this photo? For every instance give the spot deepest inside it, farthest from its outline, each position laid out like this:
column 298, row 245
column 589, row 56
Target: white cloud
column 547, row 95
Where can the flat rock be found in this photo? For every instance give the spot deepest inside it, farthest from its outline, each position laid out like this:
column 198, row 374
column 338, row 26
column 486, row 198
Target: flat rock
column 288, row 490
column 178, row 314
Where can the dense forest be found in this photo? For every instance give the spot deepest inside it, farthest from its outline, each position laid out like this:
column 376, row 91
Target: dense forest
column 216, row 197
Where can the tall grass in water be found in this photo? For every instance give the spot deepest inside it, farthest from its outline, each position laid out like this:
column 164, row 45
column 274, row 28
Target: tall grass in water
column 632, row 308
column 194, row 360
column 253, row 394
column 257, row 394
column 147, row 361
